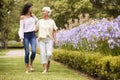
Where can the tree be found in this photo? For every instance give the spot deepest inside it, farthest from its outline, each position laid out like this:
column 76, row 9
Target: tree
column 63, row 10
column 6, row 10
column 1, row 14
column 110, row 7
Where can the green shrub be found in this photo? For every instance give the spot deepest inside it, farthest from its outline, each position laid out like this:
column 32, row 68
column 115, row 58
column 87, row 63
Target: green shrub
column 110, row 67
column 95, row 64
column 14, row 44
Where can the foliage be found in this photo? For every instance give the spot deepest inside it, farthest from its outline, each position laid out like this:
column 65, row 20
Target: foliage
column 62, row 11
column 95, row 35
column 95, row 64
column 1, row 13
column 8, row 21
column 66, row 9
column 110, row 7
column 14, row 44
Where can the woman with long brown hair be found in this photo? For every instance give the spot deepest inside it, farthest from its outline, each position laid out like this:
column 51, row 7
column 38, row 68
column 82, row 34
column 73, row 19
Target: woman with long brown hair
column 27, row 34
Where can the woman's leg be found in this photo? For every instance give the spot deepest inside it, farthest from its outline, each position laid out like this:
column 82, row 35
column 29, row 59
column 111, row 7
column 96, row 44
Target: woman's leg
column 43, row 55
column 33, row 47
column 26, row 47
column 49, row 47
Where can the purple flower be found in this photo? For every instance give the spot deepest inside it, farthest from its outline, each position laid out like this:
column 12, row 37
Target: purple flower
column 89, row 34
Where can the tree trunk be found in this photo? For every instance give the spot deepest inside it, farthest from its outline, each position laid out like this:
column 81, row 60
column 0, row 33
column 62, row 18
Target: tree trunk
column 5, row 44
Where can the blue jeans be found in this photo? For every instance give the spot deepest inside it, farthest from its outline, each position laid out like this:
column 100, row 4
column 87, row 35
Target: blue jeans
column 29, row 38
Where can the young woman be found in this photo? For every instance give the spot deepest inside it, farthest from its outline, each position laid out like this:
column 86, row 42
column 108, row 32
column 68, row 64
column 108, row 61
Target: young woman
column 46, row 36
column 27, row 34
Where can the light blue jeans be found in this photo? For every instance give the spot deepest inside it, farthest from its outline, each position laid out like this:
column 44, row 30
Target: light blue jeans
column 29, row 38
column 46, row 49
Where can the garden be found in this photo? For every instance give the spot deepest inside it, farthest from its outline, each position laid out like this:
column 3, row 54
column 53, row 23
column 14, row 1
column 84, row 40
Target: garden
column 88, row 36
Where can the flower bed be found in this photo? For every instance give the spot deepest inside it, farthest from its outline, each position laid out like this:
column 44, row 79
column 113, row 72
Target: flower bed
column 95, row 64
column 96, row 35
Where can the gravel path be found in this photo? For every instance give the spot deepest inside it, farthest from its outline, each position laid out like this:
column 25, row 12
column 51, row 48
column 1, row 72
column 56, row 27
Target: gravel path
column 14, row 53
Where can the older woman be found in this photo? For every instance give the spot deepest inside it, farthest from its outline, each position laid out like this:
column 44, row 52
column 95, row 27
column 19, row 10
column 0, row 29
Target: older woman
column 46, row 36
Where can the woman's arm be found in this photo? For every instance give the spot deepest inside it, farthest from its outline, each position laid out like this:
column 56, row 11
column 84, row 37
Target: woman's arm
column 54, row 35
column 37, row 27
column 36, row 19
column 21, row 32
column 54, row 32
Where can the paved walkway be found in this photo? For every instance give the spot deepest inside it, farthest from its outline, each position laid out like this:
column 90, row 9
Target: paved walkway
column 14, row 53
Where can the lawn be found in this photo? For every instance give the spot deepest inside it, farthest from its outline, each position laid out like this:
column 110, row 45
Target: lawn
column 3, row 52
column 14, row 69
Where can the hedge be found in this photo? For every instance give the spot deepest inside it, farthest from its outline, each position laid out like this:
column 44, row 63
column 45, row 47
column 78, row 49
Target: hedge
column 94, row 64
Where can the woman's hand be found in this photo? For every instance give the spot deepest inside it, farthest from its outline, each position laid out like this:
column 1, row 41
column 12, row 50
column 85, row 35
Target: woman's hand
column 21, row 41
column 55, row 42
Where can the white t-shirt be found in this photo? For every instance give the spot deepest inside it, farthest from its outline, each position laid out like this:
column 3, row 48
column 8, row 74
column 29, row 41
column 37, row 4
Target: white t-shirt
column 46, row 28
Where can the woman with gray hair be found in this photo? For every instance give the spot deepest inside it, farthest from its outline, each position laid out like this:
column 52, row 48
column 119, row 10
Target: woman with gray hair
column 46, row 28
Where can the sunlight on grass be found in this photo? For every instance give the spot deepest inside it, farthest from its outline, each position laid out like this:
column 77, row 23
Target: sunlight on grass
column 14, row 69
column 3, row 52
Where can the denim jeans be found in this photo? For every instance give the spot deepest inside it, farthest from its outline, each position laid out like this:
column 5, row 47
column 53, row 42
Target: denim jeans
column 46, row 49
column 29, row 38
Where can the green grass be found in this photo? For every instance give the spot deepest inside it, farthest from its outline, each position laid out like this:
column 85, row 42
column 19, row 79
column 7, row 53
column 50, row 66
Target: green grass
column 14, row 69
column 3, row 52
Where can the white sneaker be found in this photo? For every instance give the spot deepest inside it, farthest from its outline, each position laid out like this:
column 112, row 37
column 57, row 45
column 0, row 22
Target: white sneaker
column 44, row 71
column 26, row 71
column 31, row 69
